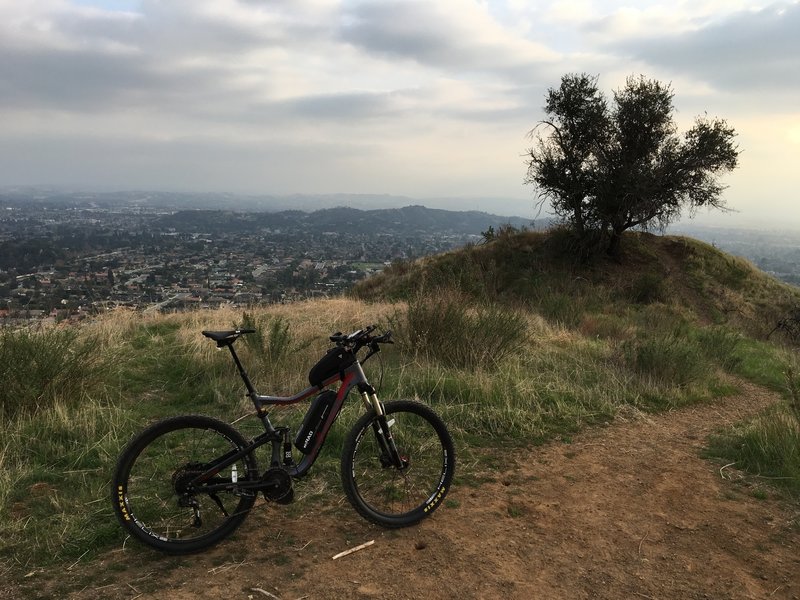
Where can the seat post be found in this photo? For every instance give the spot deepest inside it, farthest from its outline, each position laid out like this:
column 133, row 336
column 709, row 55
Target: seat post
column 248, row 384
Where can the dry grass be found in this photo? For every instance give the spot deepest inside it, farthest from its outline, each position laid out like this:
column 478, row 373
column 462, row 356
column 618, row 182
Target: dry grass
column 309, row 320
column 679, row 275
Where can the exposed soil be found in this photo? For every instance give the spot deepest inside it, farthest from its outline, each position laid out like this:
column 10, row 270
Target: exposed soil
column 628, row 510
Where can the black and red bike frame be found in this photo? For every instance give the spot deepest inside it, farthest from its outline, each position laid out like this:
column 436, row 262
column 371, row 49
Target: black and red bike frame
column 351, row 377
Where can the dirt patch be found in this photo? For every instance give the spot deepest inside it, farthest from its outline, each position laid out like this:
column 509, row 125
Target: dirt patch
column 628, row 510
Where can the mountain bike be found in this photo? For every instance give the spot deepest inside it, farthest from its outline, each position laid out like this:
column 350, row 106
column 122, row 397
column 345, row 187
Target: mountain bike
column 187, row 482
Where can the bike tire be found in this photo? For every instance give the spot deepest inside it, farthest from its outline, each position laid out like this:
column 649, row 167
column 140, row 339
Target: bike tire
column 152, row 468
column 384, row 494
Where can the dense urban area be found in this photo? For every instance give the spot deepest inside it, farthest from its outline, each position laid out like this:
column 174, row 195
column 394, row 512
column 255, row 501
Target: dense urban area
column 66, row 256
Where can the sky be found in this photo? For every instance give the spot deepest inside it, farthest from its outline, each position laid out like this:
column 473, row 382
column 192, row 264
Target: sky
column 421, row 98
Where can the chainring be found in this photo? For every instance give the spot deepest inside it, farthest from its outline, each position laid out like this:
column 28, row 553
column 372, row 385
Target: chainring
column 277, row 485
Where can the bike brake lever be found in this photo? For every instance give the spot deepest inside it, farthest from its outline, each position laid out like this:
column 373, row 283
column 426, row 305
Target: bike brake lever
column 386, row 338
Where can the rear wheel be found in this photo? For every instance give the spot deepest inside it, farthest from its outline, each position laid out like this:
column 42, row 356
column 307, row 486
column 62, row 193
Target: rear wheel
column 153, row 492
column 384, row 493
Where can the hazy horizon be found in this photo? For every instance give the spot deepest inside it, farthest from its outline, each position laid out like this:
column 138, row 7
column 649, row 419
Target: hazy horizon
column 509, row 207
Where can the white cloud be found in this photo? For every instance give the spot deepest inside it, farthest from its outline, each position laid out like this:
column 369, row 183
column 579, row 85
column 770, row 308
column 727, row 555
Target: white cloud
column 753, row 50
column 448, row 34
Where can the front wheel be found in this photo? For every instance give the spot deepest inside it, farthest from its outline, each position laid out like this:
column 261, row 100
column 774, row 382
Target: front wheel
column 391, row 495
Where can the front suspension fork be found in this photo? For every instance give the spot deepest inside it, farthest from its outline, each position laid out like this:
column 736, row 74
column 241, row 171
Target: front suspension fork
column 383, row 433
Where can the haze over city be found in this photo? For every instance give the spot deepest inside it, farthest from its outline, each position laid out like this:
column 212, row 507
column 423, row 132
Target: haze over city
column 418, row 99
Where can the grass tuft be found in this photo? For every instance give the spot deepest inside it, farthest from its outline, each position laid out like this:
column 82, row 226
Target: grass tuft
column 767, row 446
column 39, row 367
column 444, row 327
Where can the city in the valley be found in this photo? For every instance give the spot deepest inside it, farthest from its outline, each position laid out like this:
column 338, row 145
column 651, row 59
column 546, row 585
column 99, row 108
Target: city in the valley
column 67, row 256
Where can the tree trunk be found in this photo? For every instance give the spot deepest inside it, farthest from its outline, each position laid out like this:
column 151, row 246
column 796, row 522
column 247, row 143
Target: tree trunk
column 614, row 244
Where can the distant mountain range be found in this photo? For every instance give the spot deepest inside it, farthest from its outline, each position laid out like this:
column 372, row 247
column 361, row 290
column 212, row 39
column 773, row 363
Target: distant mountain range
column 259, row 203
column 216, row 213
column 417, row 219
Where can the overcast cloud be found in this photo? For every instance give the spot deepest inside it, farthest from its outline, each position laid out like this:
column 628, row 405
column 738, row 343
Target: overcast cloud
column 412, row 98
column 746, row 51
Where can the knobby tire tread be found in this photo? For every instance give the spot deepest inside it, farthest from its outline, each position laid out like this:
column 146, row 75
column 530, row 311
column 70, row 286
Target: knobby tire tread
column 140, row 442
column 350, row 485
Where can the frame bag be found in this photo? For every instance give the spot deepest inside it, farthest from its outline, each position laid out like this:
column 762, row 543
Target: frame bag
column 335, row 361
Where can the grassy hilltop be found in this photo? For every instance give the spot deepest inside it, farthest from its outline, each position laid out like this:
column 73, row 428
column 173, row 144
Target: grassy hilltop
column 674, row 276
column 512, row 342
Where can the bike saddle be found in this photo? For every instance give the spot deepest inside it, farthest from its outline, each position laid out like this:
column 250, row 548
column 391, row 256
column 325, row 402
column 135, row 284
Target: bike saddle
column 226, row 337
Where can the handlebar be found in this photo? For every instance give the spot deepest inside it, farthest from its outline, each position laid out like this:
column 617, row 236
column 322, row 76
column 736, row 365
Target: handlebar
column 360, row 338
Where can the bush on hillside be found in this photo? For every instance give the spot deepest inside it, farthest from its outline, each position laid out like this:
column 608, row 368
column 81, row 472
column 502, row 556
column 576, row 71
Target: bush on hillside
column 272, row 339
column 39, row 367
column 648, row 288
column 445, row 328
column 671, row 358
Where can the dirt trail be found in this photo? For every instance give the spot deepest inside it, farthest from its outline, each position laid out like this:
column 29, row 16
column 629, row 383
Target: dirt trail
column 623, row 511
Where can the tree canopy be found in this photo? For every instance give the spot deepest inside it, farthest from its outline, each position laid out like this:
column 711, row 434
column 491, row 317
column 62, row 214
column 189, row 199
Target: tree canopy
column 607, row 167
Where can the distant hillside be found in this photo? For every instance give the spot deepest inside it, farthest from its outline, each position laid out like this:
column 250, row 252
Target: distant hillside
column 416, row 219
column 692, row 279
column 150, row 200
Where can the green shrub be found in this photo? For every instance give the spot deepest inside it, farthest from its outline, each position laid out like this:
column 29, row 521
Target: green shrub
column 445, row 328
column 559, row 307
column 272, row 339
column 39, row 367
column 648, row 288
column 722, row 345
column 600, row 326
column 767, row 446
column 671, row 358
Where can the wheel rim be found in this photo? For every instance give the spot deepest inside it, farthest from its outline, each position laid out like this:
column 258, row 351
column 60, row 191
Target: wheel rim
column 164, row 467
column 393, row 492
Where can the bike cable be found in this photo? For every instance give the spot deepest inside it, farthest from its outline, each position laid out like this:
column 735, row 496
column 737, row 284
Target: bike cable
column 380, row 377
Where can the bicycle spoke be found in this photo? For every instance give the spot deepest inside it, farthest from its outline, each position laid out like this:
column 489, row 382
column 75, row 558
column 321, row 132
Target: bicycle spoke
column 163, row 506
column 385, row 494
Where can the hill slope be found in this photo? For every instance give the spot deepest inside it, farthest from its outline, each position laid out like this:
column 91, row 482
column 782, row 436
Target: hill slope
column 682, row 276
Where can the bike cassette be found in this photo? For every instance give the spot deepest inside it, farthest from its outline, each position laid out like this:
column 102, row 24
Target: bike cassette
column 183, row 476
column 277, row 485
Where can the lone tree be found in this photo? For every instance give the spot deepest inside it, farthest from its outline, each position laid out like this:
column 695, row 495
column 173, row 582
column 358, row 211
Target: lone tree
column 607, row 169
